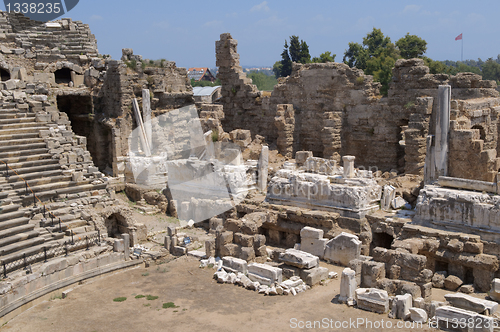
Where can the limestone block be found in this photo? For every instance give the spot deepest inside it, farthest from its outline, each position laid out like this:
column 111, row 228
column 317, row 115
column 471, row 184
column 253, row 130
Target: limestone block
column 398, row 203
column 311, row 233
column 247, row 253
column 401, row 307
column 446, row 315
column 179, row 251
column 372, row 272
column 301, row 157
column 438, row 279
column 348, row 286
column 235, row 265
column 230, row 249
column 452, row 282
column 210, row 248
column 225, row 238
column 471, row 303
column 372, row 299
column 264, row 274
column 418, row 315
column 494, row 293
column 299, row 259
column 314, row 276
column 343, row 248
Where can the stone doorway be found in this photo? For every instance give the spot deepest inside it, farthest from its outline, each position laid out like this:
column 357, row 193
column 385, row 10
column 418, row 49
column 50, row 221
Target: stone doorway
column 63, row 76
column 115, row 226
column 79, row 109
column 4, row 75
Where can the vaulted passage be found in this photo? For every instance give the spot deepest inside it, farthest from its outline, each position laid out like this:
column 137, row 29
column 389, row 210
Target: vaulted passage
column 63, row 75
column 4, row 74
column 80, row 112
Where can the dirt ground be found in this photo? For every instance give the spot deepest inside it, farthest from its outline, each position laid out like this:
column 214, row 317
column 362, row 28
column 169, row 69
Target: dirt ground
column 201, row 305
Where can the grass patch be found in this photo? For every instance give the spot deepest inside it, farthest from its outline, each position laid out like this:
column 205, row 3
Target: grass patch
column 140, row 296
column 151, row 297
column 145, row 274
column 119, row 299
column 147, row 305
column 169, row 305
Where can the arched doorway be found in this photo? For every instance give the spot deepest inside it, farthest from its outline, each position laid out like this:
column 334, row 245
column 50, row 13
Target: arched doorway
column 4, row 75
column 63, row 76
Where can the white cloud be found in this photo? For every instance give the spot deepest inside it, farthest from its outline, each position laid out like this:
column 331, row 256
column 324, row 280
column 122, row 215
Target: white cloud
column 411, row 9
column 260, row 7
column 96, row 18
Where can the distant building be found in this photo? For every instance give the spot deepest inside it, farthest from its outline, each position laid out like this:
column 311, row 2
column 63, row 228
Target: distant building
column 200, row 74
column 207, row 94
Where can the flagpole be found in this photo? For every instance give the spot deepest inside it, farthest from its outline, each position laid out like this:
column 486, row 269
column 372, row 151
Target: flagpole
column 462, row 55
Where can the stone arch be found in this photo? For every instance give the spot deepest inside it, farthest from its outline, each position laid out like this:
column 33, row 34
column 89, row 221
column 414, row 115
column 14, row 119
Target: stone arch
column 117, row 220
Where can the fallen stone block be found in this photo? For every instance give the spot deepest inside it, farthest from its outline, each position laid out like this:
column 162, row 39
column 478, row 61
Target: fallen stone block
column 452, row 282
column 179, row 251
column 372, row 299
column 342, row 249
column 311, row 233
column 401, row 307
column 66, row 293
column 292, row 282
column 418, row 315
column 197, row 254
column 494, row 293
column 449, row 318
column 299, row 259
column 264, row 274
column 314, row 276
column 234, row 264
column 471, row 303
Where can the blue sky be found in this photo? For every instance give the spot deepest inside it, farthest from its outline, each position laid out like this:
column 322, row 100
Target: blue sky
column 186, row 31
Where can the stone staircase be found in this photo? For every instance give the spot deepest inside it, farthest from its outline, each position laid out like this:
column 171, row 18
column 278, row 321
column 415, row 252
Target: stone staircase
column 47, row 179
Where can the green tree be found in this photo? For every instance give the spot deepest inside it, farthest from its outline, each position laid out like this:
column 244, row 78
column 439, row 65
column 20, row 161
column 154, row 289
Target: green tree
column 295, row 49
column 355, row 56
column 305, row 57
column 263, row 81
column 286, row 62
column 491, row 70
column 411, row 46
column 324, row 57
column 277, row 69
column 375, row 57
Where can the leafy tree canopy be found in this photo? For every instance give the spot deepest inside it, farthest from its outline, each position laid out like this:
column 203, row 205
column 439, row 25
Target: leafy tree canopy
column 324, row 57
column 411, row 46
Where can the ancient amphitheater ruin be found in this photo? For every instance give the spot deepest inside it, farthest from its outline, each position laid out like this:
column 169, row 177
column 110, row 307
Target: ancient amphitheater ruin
column 401, row 191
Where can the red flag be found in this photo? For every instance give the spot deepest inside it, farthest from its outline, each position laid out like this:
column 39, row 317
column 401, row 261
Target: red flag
column 459, row 37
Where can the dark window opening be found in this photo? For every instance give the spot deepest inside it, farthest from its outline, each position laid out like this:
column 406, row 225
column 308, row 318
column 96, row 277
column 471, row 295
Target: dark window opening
column 382, row 240
column 441, row 266
column 63, row 75
column 4, row 74
column 482, row 133
column 469, row 277
column 114, row 227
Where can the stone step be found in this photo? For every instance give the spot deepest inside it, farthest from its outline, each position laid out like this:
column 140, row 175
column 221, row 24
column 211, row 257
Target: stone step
column 30, row 170
column 13, row 223
column 9, row 208
column 78, row 230
column 75, row 224
column 14, row 143
column 20, row 125
column 27, row 164
column 16, row 115
column 21, row 153
column 33, row 157
column 35, row 182
column 54, row 194
column 12, row 215
column 37, row 188
column 18, row 246
column 16, row 230
column 18, row 238
column 28, row 176
column 55, row 229
column 31, row 129
column 18, row 120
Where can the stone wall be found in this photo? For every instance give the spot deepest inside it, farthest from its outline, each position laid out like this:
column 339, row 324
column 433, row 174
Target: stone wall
column 337, row 110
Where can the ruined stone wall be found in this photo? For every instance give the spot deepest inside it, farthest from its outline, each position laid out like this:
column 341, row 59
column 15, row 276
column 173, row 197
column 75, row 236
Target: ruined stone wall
column 71, row 40
column 337, row 110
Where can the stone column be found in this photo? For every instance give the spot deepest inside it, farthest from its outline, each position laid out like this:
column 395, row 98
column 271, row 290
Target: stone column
column 348, row 166
column 347, row 286
column 126, row 245
column 442, row 130
column 146, row 116
column 263, row 168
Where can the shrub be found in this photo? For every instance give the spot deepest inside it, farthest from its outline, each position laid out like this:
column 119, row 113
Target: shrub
column 119, row 299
